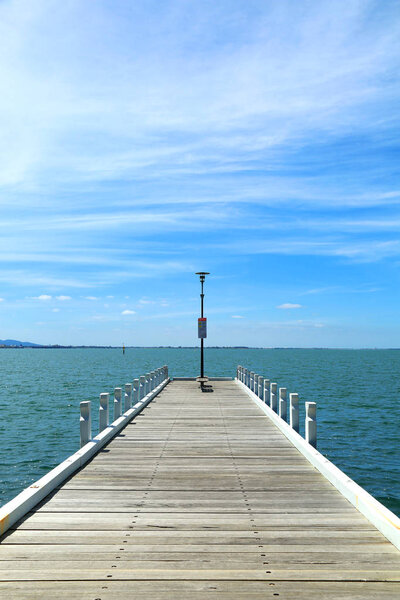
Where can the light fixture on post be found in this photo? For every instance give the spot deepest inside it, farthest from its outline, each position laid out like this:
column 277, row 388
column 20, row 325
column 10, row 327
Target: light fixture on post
column 202, row 328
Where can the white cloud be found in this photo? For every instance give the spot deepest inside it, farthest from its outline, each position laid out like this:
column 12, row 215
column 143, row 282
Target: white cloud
column 322, row 290
column 55, row 310
column 148, row 302
column 237, row 317
column 90, row 298
column 42, row 297
column 281, row 69
column 128, row 312
column 289, row 305
column 1, row 299
column 62, row 298
column 339, row 289
column 353, row 250
column 24, row 277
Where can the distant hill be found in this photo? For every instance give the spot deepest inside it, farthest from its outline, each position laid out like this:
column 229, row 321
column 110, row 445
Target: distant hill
column 18, row 343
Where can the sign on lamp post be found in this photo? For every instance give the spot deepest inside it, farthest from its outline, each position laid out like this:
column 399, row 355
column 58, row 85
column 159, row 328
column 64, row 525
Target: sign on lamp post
column 202, row 324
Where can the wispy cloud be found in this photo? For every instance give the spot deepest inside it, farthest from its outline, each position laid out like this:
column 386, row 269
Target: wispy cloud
column 42, row 297
column 188, row 108
column 289, row 306
column 342, row 290
column 355, row 250
column 128, row 312
column 249, row 139
column 25, row 278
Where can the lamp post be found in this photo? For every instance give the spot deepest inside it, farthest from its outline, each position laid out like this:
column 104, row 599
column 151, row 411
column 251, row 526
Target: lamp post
column 202, row 323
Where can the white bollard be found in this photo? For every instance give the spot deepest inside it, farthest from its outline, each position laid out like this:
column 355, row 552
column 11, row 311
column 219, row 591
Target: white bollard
column 283, row 403
column 311, row 423
column 247, row 378
column 252, row 380
column 294, row 411
column 153, row 380
column 117, row 402
column 85, row 423
column 166, row 371
column 157, row 377
column 103, row 412
column 128, row 396
column 273, row 399
column 150, row 381
column 266, row 396
column 255, row 383
column 260, row 386
column 135, row 391
column 141, row 387
column 147, row 384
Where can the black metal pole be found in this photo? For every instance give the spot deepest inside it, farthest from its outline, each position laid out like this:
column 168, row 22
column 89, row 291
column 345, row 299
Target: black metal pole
column 202, row 324
column 202, row 340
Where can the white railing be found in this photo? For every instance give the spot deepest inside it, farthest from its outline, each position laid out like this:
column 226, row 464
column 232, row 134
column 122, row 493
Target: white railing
column 133, row 393
column 276, row 399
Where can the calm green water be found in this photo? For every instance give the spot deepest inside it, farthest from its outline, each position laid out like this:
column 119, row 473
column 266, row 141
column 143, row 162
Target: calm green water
column 357, row 392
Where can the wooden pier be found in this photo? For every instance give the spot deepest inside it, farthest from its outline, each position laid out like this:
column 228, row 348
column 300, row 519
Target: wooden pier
column 200, row 496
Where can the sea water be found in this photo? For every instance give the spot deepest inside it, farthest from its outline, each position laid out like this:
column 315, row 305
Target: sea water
column 357, row 394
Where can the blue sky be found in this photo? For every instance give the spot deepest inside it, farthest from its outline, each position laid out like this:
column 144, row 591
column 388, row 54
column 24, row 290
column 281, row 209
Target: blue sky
column 144, row 141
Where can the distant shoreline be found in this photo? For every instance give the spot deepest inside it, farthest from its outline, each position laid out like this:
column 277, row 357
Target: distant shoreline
column 59, row 347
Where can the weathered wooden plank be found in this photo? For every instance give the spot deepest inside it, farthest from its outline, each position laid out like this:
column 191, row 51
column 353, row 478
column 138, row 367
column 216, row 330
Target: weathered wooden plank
column 277, row 483
column 206, row 562
column 27, row 553
column 75, row 570
column 122, row 521
column 199, row 590
column 288, row 538
column 260, row 502
column 100, row 507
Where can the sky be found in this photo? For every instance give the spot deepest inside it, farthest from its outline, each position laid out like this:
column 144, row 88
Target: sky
column 143, row 141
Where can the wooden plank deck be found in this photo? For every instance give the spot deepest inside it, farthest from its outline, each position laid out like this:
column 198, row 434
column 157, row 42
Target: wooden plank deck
column 201, row 496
